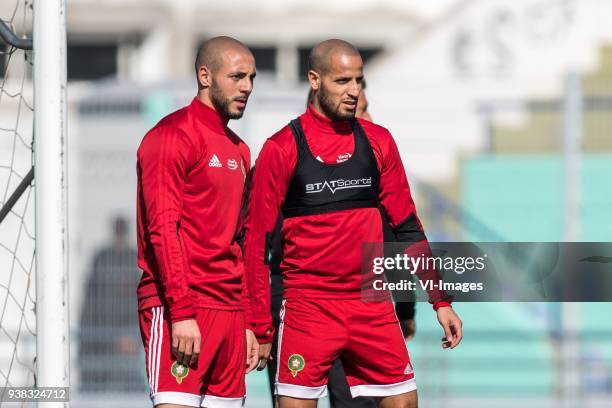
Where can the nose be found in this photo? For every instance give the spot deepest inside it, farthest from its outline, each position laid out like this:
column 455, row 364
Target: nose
column 354, row 89
column 246, row 86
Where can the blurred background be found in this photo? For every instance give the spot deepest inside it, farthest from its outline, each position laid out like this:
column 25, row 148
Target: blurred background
column 502, row 112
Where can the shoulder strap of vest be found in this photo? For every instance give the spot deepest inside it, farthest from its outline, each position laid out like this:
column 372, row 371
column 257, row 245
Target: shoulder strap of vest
column 361, row 134
column 364, row 143
column 298, row 134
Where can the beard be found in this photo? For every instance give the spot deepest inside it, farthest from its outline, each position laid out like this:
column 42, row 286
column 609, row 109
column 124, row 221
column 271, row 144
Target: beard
column 332, row 111
column 222, row 103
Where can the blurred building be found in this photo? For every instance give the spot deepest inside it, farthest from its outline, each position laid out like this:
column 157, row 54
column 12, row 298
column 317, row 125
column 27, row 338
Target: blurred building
column 152, row 41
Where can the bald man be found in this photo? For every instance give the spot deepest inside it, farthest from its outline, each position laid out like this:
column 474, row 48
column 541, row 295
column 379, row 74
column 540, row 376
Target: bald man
column 191, row 172
column 329, row 173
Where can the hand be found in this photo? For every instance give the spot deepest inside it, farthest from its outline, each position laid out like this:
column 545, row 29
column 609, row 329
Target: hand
column 264, row 355
column 451, row 324
column 186, row 341
column 252, row 351
column 408, row 327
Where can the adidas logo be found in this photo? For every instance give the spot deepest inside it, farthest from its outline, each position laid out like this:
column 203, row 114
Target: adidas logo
column 214, row 162
column 409, row 369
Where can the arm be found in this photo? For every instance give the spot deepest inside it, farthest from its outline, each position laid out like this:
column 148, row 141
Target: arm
column 405, row 310
column 252, row 346
column 245, row 205
column 397, row 203
column 164, row 157
column 405, row 314
column 270, row 182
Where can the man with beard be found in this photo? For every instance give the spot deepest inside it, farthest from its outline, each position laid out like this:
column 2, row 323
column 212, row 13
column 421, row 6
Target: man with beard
column 191, row 171
column 337, row 387
column 323, row 316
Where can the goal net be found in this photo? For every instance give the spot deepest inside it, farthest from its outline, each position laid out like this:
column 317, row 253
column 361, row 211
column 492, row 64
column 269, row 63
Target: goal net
column 17, row 242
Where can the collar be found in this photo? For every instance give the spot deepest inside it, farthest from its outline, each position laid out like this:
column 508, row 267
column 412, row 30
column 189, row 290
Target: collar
column 211, row 118
column 325, row 124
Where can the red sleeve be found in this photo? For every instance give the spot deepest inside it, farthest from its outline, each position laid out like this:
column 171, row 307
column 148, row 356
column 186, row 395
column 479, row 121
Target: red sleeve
column 246, row 304
column 270, row 182
column 246, row 300
column 248, row 174
column 396, row 200
column 164, row 157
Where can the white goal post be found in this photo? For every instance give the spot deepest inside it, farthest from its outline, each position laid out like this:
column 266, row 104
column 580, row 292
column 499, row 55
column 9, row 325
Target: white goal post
column 52, row 325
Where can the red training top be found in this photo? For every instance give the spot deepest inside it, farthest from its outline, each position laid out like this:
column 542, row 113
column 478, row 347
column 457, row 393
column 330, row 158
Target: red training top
column 322, row 253
column 191, row 173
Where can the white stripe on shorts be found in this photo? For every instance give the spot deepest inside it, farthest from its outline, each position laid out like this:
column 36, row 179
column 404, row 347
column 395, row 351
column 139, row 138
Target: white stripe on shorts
column 280, row 338
column 155, row 343
column 150, row 350
column 159, row 345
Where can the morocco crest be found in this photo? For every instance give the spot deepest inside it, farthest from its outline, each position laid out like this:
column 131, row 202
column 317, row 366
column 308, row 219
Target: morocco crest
column 296, row 364
column 179, row 371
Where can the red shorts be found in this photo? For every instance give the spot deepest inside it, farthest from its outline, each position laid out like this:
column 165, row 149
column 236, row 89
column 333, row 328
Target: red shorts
column 218, row 378
column 366, row 336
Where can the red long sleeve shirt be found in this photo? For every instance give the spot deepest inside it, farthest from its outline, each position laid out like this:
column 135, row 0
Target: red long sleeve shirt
column 191, row 172
column 322, row 253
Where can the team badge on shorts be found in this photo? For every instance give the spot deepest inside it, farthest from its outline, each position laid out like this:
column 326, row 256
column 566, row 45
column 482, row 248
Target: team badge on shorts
column 296, row 364
column 179, row 371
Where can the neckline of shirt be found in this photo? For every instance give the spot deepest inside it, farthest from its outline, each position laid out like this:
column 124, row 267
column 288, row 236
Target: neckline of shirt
column 327, row 125
column 216, row 121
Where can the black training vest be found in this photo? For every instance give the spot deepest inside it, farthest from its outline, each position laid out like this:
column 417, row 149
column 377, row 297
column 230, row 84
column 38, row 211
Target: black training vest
column 318, row 188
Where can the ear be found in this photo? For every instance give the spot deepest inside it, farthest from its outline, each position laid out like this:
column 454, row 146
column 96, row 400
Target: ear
column 204, row 76
column 314, row 79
